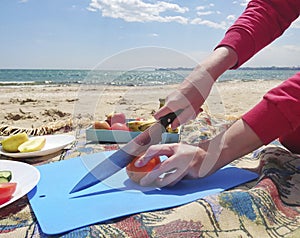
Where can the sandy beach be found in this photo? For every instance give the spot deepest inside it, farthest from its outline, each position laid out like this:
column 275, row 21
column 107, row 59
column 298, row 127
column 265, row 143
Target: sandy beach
column 35, row 106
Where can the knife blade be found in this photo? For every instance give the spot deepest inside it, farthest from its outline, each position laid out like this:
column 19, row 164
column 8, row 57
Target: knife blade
column 122, row 157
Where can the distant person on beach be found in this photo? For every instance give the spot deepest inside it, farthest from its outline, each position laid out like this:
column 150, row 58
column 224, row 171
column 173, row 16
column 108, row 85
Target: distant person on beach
column 277, row 115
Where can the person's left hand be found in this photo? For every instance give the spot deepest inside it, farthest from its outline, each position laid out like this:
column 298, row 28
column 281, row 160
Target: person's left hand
column 183, row 161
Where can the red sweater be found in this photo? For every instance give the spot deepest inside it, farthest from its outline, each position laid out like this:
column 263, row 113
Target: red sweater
column 277, row 115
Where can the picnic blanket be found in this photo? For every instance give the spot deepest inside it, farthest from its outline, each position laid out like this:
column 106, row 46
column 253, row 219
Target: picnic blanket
column 267, row 207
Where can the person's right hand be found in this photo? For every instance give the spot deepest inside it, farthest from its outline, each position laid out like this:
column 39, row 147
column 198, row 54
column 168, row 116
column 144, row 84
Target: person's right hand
column 190, row 96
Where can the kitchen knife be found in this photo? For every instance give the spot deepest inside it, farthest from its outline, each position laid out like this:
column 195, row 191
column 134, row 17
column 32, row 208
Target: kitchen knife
column 122, row 157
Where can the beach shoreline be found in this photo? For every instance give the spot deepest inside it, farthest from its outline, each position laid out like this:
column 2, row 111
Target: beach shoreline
column 35, row 106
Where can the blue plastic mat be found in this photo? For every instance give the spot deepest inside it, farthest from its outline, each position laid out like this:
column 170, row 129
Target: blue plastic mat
column 57, row 211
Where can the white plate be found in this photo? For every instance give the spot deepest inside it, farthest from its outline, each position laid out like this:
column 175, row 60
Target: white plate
column 53, row 144
column 26, row 176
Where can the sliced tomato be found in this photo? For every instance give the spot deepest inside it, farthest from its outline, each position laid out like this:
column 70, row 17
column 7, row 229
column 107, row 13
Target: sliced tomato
column 6, row 191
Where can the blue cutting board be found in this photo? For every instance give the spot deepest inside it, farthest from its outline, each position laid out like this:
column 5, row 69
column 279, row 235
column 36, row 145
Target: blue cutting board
column 57, row 211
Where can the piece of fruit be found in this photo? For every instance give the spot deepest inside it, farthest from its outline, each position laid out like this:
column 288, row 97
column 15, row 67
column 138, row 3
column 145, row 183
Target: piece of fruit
column 140, row 125
column 120, row 127
column 116, row 117
column 170, row 130
column 6, row 191
column 137, row 173
column 146, row 125
column 102, row 125
column 12, row 143
column 32, row 145
column 5, row 176
column 134, row 125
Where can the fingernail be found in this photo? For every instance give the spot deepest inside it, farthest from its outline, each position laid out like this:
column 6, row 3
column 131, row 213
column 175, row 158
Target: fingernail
column 138, row 163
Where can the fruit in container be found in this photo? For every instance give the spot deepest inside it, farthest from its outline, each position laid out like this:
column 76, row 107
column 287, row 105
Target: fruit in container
column 32, row 145
column 140, row 125
column 134, row 125
column 170, row 130
column 146, row 124
column 104, row 125
column 116, row 117
column 12, row 143
column 137, row 173
column 119, row 126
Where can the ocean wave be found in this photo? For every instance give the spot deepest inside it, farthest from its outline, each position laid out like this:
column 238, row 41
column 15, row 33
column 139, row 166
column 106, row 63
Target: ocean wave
column 126, row 78
column 35, row 83
column 12, row 83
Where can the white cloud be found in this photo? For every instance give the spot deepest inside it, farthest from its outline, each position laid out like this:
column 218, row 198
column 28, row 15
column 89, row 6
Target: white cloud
column 204, row 10
column 23, row 1
column 161, row 11
column 200, row 8
column 231, row 17
column 221, row 25
column 94, row 6
column 91, row 9
column 244, row 2
column 153, row 35
column 205, row 13
column 139, row 11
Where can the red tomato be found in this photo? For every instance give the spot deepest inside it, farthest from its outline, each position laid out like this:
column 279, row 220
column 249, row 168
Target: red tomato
column 137, row 173
column 6, row 191
column 119, row 126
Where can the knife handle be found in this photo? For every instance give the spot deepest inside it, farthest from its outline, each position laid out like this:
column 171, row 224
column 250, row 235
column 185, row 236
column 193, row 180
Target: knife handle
column 169, row 118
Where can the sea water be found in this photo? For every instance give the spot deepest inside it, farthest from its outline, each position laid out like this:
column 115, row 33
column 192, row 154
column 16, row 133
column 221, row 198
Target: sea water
column 21, row 77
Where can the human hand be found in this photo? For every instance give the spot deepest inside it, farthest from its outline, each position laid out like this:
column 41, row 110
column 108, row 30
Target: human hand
column 190, row 96
column 183, row 161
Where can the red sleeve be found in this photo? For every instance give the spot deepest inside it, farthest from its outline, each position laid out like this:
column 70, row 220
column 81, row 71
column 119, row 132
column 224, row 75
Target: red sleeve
column 260, row 24
column 278, row 114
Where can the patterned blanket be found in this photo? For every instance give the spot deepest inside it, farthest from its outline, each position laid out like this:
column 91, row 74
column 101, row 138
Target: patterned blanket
column 267, row 207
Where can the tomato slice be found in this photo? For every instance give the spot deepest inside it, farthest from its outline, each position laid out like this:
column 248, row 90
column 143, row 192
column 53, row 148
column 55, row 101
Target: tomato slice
column 6, row 191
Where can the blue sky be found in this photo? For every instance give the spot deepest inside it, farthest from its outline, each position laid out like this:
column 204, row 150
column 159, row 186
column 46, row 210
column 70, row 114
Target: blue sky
column 81, row 34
